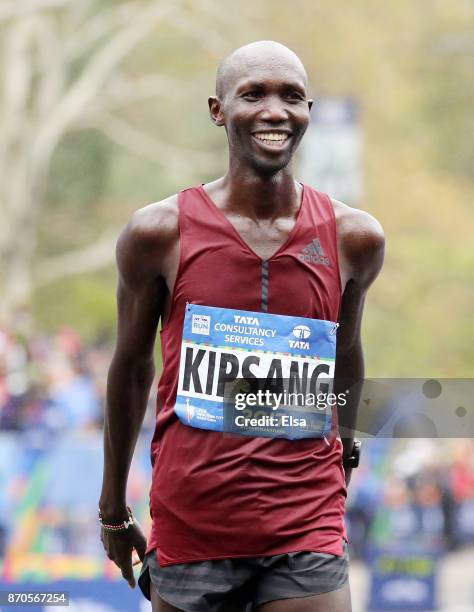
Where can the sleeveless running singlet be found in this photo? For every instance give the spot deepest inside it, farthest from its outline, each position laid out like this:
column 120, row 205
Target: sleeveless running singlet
column 216, row 495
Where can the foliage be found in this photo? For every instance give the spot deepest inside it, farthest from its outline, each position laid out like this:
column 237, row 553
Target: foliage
column 407, row 65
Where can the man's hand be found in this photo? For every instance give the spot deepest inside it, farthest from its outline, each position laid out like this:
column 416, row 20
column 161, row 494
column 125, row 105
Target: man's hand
column 119, row 548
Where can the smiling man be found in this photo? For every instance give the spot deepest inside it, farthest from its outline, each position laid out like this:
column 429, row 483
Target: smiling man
column 254, row 276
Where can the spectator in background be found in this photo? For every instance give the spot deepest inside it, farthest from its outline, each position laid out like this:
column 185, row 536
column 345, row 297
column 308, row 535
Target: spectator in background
column 48, row 383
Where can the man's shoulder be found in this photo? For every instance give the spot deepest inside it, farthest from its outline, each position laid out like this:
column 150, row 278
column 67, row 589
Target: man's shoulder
column 354, row 222
column 156, row 220
column 148, row 238
column 361, row 240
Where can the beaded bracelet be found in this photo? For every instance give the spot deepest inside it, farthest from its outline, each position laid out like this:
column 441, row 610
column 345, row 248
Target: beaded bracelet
column 123, row 526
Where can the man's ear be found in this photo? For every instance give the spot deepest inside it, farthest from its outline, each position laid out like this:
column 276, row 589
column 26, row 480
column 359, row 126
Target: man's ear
column 215, row 110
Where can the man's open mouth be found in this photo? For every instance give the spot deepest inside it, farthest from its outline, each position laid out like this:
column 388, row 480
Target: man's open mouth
column 272, row 139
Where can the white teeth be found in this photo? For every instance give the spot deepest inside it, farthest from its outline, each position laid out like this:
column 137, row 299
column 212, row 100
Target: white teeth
column 273, row 136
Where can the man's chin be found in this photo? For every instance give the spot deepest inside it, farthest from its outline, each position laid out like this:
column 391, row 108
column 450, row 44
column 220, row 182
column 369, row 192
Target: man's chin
column 270, row 166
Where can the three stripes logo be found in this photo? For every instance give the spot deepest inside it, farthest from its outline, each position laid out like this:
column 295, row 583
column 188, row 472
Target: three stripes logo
column 314, row 253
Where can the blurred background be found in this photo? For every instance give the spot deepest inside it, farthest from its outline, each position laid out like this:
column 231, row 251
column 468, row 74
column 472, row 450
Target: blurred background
column 103, row 110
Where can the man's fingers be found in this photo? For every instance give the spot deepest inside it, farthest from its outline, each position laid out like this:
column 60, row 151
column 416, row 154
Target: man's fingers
column 127, row 571
column 140, row 547
column 125, row 550
column 135, row 558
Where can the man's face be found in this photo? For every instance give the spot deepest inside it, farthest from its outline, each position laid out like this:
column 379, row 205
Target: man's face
column 265, row 112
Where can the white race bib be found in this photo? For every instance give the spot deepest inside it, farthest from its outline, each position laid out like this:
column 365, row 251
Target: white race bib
column 256, row 373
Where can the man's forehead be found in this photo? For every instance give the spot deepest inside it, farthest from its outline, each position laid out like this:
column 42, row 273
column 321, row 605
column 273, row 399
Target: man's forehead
column 265, row 56
column 264, row 77
column 261, row 75
column 261, row 61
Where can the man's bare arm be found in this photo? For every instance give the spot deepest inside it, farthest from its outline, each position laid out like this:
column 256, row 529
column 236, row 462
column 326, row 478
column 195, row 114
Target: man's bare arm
column 361, row 244
column 142, row 250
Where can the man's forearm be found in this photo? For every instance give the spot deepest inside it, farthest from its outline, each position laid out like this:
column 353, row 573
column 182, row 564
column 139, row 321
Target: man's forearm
column 348, row 380
column 128, row 388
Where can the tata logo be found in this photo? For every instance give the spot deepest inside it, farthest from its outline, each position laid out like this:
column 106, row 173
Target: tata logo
column 246, row 320
column 298, row 344
column 302, row 332
column 201, row 324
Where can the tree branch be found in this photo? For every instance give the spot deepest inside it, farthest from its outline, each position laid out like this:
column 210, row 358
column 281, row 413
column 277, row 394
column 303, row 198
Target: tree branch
column 79, row 261
column 88, row 84
column 123, row 91
column 12, row 10
column 104, row 23
column 149, row 148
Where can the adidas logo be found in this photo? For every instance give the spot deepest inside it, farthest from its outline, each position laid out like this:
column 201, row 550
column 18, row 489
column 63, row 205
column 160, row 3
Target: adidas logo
column 314, row 253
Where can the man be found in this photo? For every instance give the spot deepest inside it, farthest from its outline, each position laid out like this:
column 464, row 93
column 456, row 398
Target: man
column 238, row 518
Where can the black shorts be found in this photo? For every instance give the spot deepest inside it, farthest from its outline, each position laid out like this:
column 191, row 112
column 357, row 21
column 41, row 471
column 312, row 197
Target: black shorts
column 211, row 586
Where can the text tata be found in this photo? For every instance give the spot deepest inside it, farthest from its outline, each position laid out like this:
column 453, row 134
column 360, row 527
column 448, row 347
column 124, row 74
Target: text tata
column 246, row 320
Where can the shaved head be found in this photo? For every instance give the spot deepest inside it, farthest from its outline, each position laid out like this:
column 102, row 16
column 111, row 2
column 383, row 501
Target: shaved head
column 263, row 52
column 262, row 102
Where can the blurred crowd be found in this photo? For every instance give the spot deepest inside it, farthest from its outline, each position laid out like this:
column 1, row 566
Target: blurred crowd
column 52, row 382
column 52, row 396
column 417, row 492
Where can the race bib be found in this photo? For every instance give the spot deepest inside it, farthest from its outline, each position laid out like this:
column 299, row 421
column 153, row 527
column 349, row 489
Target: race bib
column 256, row 373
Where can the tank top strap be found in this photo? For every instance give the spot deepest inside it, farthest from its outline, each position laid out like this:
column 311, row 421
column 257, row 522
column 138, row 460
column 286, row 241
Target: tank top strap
column 199, row 219
column 320, row 220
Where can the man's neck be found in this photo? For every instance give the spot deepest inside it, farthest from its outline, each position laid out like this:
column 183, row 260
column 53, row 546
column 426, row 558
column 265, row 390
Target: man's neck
column 257, row 196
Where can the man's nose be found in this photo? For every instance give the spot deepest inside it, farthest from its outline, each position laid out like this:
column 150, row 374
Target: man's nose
column 274, row 109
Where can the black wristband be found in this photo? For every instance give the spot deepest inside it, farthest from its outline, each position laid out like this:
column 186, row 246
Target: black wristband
column 353, row 460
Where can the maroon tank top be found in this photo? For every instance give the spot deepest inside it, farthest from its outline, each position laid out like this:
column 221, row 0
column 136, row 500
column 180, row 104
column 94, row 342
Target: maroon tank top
column 214, row 495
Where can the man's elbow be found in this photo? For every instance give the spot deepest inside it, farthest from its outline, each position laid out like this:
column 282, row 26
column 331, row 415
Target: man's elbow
column 132, row 368
column 350, row 355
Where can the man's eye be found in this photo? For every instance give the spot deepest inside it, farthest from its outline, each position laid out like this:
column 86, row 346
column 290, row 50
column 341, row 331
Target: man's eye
column 295, row 97
column 252, row 95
